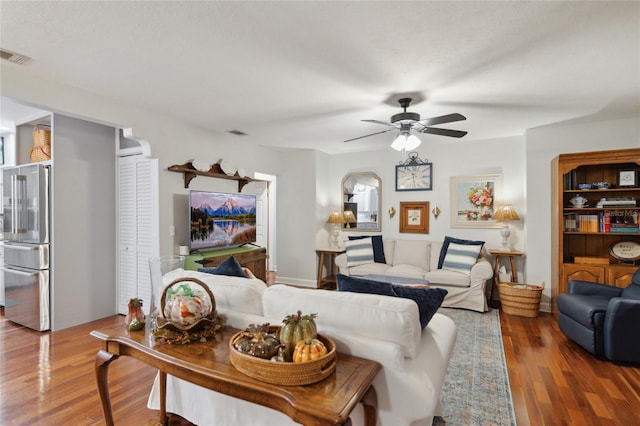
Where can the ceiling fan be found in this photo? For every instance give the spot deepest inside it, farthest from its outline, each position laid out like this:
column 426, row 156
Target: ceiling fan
column 404, row 122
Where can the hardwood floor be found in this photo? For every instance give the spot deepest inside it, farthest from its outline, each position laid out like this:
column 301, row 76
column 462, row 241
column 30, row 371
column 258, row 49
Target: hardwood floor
column 48, row 379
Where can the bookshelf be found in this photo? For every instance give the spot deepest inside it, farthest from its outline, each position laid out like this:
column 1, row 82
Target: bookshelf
column 593, row 207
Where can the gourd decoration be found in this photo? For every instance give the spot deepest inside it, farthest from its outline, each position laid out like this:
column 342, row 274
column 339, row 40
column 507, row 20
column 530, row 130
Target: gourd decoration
column 135, row 318
column 250, row 348
column 257, row 341
column 309, row 350
column 296, row 327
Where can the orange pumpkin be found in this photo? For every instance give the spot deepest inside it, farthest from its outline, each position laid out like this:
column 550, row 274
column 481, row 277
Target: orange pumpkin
column 309, row 350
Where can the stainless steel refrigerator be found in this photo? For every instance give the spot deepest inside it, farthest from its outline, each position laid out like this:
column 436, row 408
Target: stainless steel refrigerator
column 26, row 214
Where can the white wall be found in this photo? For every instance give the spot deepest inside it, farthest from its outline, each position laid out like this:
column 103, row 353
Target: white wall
column 449, row 158
column 172, row 142
column 309, row 182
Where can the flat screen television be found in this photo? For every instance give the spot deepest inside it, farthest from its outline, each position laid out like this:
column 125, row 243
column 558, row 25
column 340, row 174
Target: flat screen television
column 220, row 220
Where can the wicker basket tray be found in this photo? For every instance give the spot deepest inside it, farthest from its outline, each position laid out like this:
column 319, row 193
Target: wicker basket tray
column 516, row 300
column 284, row 373
column 211, row 319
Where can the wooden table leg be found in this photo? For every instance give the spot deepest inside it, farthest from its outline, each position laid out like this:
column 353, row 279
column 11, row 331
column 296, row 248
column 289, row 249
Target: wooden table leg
column 320, row 267
column 496, row 277
column 514, row 272
column 370, row 403
column 164, row 420
column 103, row 359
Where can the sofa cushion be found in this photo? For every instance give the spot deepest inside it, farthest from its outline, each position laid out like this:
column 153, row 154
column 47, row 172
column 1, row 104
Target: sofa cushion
column 359, row 252
column 461, row 257
column 368, row 268
column 448, row 240
column 363, row 285
column 230, row 266
column 412, row 252
column 376, row 244
column 448, row 278
column 390, row 319
column 408, row 271
column 428, row 299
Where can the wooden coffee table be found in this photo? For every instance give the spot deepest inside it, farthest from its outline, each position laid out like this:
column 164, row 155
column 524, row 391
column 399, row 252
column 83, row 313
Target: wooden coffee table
column 328, row 402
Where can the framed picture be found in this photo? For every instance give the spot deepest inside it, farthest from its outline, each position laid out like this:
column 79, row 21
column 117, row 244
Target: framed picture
column 414, row 177
column 414, row 217
column 627, row 178
column 473, row 201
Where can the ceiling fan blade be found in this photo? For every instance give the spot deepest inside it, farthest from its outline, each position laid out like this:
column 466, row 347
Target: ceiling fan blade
column 449, row 118
column 372, row 134
column 443, row 132
column 384, row 123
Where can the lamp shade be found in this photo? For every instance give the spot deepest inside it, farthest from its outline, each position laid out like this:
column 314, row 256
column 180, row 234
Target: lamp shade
column 505, row 213
column 406, row 141
column 336, row 217
column 349, row 216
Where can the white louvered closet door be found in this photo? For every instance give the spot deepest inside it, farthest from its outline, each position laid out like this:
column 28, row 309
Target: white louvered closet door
column 138, row 227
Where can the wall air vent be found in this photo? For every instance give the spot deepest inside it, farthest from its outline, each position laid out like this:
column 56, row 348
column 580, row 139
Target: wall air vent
column 237, row 132
column 16, row 58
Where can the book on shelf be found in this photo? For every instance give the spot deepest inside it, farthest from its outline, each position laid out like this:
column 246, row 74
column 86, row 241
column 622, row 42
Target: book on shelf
column 603, row 221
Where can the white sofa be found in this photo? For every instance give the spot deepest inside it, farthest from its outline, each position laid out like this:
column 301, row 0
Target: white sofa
column 382, row 328
column 419, row 259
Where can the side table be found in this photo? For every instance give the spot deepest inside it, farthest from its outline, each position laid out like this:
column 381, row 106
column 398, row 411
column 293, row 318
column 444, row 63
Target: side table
column 330, row 280
column 512, row 262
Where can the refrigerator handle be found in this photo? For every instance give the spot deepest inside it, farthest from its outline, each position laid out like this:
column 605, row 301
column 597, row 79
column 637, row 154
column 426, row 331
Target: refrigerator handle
column 17, row 272
column 20, row 247
column 18, row 206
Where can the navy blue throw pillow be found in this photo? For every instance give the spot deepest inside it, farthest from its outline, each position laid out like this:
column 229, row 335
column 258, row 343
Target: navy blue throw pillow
column 378, row 248
column 445, row 247
column 229, row 266
column 360, row 285
column 428, row 300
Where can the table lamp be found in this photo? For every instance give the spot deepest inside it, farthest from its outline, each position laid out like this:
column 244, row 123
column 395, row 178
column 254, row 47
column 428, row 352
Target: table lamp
column 336, row 218
column 505, row 213
column 349, row 218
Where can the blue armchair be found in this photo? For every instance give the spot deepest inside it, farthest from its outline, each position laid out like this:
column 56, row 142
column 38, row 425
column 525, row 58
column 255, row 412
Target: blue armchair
column 604, row 320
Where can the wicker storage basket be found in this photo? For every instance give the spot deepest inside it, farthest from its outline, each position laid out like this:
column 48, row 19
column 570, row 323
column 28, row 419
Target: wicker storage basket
column 40, row 153
column 520, row 299
column 284, row 373
column 41, row 150
column 41, row 136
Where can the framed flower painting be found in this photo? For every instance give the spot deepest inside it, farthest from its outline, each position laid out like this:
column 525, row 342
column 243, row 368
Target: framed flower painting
column 473, row 201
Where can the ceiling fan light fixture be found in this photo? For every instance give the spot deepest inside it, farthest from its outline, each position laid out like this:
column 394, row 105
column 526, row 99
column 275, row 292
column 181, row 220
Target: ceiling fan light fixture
column 406, row 141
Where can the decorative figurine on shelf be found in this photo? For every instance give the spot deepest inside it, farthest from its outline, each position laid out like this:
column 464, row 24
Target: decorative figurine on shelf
column 135, row 317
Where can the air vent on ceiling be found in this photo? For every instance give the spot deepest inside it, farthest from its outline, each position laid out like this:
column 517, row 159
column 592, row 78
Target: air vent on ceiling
column 237, row 132
column 16, row 58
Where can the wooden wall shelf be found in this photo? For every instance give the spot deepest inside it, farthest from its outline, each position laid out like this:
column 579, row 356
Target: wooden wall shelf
column 215, row 171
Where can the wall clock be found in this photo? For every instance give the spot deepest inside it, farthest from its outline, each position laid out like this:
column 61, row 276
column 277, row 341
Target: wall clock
column 414, row 177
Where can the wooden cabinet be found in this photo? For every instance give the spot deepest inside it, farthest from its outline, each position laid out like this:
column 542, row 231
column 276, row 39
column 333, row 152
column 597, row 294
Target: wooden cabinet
column 582, row 235
column 254, row 258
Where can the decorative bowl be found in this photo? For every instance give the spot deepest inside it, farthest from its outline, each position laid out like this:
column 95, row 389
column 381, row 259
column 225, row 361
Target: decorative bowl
column 578, row 201
column 584, row 186
column 602, row 185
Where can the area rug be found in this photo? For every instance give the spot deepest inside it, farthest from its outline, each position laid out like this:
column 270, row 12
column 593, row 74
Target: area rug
column 476, row 388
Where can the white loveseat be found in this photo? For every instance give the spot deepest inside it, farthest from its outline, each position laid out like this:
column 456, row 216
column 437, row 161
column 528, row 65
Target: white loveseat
column 382, row 328
column 419, row 259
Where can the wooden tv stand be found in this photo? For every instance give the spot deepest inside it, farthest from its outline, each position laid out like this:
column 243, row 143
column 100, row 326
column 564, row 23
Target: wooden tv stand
column 252, row 257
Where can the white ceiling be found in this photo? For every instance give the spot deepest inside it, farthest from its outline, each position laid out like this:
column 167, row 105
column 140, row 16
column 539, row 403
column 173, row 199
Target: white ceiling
column 303, row 74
